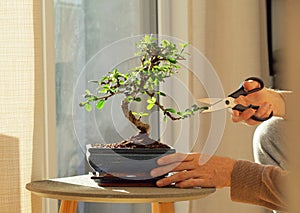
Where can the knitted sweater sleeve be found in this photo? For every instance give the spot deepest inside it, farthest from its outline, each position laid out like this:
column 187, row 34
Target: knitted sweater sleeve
column 259, row 184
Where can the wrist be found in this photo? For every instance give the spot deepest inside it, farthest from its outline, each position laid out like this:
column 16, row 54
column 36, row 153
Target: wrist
column 231, row 166
column 277, row 102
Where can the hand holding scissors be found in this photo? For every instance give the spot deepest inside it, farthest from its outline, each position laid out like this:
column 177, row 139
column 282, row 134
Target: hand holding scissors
column 215, row 104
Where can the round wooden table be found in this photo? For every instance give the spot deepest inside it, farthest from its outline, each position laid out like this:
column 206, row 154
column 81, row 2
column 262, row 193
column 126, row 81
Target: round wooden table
column 82, row 188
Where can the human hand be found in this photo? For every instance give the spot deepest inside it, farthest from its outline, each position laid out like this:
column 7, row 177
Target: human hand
column 216, row 172
column 268, row 100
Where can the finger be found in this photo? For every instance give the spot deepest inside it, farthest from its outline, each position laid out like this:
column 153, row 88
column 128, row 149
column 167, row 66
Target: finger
column 241, row 100
column 255, row 98
column 268, row 112
column 193, row 182
column 176, row 157
column 264, row 110
column 186, row 165
column 263, row 113
column 235, row 113
column 174, row 167
column 177, row 177
column 159, row 171
column 247, row 114
column 244, row 116
column 250, row 85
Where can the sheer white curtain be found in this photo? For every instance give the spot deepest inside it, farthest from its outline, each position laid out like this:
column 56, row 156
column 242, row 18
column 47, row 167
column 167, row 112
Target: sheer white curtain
column 21, row 108
column 232, row 35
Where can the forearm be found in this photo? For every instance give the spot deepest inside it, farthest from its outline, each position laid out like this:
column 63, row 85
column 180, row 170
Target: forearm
column 258, row 184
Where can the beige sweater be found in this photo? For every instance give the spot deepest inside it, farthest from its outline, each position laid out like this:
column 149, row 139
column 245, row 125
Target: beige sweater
column 259, row 184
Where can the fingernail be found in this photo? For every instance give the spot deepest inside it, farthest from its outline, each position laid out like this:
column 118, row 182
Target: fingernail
column 159, row 183
column 153, row 173
column 160, row 161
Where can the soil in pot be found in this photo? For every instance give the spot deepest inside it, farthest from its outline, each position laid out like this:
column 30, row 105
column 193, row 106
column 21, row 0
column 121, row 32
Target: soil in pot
column 142, row 140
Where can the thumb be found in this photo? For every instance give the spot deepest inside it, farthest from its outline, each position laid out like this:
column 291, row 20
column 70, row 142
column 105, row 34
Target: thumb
column 250, row 85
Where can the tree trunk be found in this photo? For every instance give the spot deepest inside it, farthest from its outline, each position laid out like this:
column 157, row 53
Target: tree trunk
column 144, row 128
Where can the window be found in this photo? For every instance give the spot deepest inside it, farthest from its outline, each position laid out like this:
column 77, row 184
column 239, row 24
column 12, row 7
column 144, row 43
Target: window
column 82, row 29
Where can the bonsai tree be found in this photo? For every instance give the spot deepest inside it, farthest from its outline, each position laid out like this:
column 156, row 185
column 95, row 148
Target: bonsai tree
column 158, row 61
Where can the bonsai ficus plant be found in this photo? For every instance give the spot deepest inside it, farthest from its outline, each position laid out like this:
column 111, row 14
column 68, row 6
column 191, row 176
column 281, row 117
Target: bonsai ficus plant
column 158, row 61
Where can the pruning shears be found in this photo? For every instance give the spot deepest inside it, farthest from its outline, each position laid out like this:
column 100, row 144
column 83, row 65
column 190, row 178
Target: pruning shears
column 215, row 104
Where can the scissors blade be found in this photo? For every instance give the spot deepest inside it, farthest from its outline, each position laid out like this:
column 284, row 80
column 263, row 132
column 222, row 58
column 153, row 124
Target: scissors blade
column 209, row 101
column 221, row 104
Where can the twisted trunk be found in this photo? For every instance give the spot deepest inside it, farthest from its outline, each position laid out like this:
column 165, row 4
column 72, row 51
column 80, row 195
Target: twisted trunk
column 143, row 127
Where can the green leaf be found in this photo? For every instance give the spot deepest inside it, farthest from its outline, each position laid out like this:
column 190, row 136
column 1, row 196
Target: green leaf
column 170, row 110
column 82, row 104
column 161, row 93
column 134, row 113
column 151, row 100
column 150, row 80
column 116, row 73
column 147, row 38
column 183, row 46
column 204, row 108
column 106, row 86
column 88, row 107
column 172, row 60
column 188, row 112
column 138, row 99
column 165, row 118
column 129, row 99
column 100, row 104
column 105, row 78
column 150, row 106
column 140, row 114
column 180, row 114
column 165, row 43
column 91, row 98
column 88, row 92
column 103, row 91
column 87, row 96
column 195, row 108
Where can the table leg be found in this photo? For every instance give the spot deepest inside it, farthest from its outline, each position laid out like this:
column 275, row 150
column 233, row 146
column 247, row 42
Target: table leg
column 163, row 207
column 68, row 206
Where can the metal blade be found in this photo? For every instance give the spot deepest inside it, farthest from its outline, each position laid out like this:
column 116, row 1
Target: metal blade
column 222, row 104
column 210, row 101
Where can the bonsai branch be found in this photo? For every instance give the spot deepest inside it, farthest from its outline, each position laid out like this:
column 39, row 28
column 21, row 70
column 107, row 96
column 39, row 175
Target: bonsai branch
column 105, row 97
column 162, row 108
